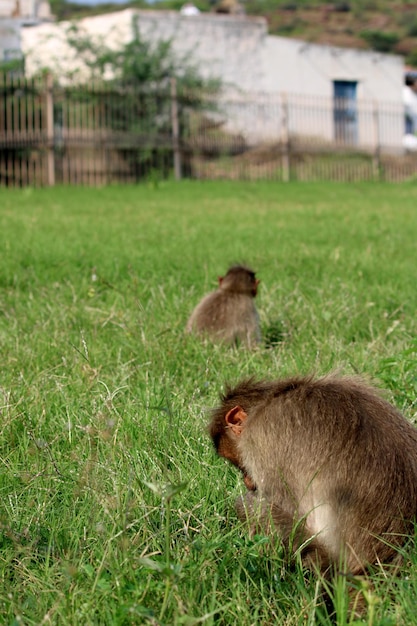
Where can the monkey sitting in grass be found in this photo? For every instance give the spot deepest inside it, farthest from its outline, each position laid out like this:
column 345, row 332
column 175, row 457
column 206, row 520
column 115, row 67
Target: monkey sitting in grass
column 228, row 314
column 329, row 465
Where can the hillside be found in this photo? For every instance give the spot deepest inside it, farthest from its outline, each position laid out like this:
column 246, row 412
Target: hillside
column 381, row 25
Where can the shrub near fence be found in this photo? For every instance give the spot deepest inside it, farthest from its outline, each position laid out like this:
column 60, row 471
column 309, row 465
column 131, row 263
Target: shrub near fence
column 102, row 134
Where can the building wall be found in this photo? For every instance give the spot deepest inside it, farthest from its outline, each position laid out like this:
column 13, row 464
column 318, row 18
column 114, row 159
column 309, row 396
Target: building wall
column 25, row 8
column 222, row 45
column 9, row 39
column 14, row 14
column 238, row 50
column 311, row 69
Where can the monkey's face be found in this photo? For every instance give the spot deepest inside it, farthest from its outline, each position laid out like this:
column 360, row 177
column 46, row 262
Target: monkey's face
column 227, row 444
column 228, row 450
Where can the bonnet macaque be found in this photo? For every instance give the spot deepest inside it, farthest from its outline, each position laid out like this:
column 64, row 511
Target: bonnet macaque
column 228, row 314
column 330, row 467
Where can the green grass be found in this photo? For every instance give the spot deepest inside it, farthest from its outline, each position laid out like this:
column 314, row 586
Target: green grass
column 113, row 507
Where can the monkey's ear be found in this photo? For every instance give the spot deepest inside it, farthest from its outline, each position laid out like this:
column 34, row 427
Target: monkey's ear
column 220, row 279
column 235, row 419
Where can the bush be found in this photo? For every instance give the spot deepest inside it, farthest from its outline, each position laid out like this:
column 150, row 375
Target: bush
column 411, row 29
column 379, row 41
column 140, row 74
column 412, row 58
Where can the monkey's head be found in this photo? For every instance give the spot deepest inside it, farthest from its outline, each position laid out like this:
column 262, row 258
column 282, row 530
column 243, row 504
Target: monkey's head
column 239, row 279
column 230, row 419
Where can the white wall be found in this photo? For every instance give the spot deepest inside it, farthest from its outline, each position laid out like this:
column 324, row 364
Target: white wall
column 12, row 16
column 9, row 39
column 222, row 45
column 25, row 8
column 304, row 68
column 239, row 51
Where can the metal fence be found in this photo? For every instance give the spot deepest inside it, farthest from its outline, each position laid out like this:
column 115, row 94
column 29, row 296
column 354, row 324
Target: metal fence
column 103, row 134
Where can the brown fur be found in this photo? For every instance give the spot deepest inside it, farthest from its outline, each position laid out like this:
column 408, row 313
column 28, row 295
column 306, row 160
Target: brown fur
column 328, row 461
column 229, row 314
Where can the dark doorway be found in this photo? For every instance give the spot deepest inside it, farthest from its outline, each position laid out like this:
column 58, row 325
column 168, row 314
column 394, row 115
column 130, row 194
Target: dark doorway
column 345, row 112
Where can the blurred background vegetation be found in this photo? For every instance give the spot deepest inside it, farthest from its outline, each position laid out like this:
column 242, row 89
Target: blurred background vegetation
column 380, row 25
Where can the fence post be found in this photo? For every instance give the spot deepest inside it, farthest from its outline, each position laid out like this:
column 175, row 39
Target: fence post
column 175, row 130
column 285, row 136
column 50, row 130
column 376, row 157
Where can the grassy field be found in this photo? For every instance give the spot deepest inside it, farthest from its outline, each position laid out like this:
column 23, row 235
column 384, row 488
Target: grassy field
column 114, row 508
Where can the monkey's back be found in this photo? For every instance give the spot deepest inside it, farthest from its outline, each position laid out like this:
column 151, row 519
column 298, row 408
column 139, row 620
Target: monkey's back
column 226, row 316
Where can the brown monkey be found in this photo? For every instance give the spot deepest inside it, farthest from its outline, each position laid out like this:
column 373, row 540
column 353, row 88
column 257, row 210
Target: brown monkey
column 329, row 465
column 229, row 313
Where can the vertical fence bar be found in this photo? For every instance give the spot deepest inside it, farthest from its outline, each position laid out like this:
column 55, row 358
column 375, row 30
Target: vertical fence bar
column 49, row 111
column 376, row 157
column 175, row 130
column 285, row 138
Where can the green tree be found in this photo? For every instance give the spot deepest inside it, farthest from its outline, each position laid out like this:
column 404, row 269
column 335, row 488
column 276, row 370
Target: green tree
column 138, row 102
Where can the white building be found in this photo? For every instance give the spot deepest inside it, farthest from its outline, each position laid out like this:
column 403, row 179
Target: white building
column 26, row 9
column 13, row 15
column 362, row 90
